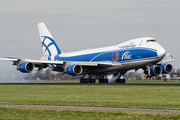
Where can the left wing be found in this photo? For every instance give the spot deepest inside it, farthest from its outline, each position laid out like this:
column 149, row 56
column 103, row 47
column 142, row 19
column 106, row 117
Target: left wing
column 27, row 65
column 33, row 61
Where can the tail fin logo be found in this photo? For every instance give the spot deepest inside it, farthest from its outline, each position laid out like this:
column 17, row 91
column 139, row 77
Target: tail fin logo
column 50, row 46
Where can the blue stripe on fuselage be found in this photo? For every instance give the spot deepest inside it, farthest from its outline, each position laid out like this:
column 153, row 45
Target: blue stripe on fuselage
column 117, row 56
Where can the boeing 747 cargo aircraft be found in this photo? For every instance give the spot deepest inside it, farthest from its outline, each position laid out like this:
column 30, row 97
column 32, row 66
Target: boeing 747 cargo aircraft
column 145, row 53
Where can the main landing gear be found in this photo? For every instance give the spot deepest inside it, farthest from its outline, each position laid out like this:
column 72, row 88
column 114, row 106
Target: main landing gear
column 117, row 81
column 102, row 79
column 120, row 80
column 87, row 80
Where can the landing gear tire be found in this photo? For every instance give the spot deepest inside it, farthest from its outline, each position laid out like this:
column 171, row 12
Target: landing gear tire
column 100, row 81
column 120, row 80
column 81, row 80
column 103, row 80
column 117, row 80
column 92, row 80
column 123, row 80
column 84, row 80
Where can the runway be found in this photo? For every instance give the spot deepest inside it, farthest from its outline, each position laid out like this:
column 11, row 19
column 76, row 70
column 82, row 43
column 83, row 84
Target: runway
column 148, row 84
column 94, row 108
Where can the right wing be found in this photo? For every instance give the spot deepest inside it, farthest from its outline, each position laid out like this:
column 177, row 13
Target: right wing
column 169, row 59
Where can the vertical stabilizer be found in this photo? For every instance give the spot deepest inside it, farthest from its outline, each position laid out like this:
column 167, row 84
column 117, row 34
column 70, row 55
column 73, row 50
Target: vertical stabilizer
column 49, row 46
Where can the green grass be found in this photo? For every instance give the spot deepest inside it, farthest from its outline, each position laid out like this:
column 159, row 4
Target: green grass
column 157, row 97
column 51, row 114
column 153, row 97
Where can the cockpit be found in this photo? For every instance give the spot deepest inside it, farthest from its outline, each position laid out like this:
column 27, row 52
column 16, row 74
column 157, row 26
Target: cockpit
column 151, row 41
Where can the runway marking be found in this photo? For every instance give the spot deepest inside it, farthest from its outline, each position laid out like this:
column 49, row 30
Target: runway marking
column 94, row 108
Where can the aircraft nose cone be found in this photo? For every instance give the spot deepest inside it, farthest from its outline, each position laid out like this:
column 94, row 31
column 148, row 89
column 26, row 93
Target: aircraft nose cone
column 161, row 52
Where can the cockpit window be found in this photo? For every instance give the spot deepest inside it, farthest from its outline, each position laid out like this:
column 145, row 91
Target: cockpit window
column 151, row 41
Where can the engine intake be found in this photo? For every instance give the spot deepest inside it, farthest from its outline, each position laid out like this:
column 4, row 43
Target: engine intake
column 166, row 68
column 74, row 69
column 26, row 67
column 155, row 70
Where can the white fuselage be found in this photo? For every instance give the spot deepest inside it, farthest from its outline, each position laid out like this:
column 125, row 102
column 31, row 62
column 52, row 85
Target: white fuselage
column 132, row 54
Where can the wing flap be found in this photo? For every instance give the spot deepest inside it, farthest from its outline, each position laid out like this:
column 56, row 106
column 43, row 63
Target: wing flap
column 45, row 61
column 58, row 62
column 91, row 64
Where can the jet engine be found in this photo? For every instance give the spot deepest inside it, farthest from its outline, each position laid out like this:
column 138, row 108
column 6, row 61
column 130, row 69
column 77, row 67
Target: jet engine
column 166, row 68
column 155, row 70
column 74, row 69
column 26, row 67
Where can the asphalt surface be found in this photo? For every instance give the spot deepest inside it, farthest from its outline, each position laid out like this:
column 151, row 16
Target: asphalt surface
column 151, row 84
column 93, row 108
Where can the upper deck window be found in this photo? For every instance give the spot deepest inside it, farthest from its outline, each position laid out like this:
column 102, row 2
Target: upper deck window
column 151, row 41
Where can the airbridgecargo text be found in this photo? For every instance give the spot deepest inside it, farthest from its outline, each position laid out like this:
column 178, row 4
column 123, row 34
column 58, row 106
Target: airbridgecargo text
column 127, row 46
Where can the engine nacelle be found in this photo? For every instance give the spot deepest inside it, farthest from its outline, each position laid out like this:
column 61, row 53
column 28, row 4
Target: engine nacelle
column 166, row 68
column 155, row 70
column 74, row 69
column 26, row 67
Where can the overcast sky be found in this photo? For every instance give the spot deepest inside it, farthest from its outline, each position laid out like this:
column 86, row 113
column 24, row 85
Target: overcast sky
column 85, row 24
